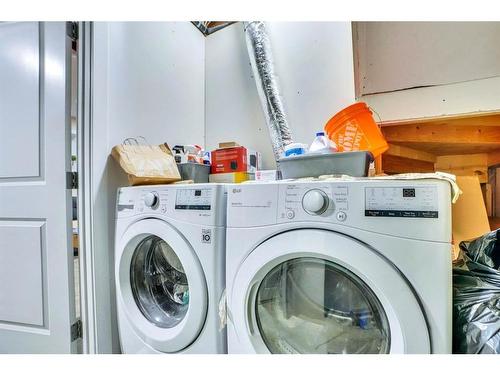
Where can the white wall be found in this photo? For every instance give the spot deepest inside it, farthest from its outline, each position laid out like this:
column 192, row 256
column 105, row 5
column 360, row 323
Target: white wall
column 314, row 63
column 167, row 82
column 148, row 80
column 401, row 55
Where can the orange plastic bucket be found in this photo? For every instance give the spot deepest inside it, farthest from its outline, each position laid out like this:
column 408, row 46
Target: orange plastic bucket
column 354, row 129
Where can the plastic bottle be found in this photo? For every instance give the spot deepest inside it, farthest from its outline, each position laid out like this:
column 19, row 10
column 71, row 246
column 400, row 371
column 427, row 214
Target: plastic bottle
column 322, row 144
column 294, row 149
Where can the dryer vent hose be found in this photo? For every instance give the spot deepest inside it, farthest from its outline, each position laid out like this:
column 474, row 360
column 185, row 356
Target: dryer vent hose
column 261, row 59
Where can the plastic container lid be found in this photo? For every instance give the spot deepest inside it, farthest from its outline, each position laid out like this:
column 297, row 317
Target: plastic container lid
column 319, row 134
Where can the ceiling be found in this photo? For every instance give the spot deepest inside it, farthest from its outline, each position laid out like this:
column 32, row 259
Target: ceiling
column 209, row 27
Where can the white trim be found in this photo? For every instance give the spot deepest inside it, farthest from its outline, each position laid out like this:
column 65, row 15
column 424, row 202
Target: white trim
column 87, row 298
column 459, row 99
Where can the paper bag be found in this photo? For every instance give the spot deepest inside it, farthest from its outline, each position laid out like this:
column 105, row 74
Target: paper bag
column 146, row 164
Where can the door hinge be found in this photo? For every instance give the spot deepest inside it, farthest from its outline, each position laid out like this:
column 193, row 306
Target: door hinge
column 71, row 180
column 72, row 30
column 76, row 330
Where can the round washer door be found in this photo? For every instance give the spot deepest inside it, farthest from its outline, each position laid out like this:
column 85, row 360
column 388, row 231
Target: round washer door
column 161, row 285
column 317, row 291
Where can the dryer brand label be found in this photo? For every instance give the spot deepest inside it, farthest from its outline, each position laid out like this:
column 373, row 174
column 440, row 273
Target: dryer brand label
column 405, row 201
column 206, row 236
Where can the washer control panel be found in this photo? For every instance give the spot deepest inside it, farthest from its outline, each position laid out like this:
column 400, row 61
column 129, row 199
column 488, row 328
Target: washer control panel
column 300, row 201
column 418, row 201
column 201, row 203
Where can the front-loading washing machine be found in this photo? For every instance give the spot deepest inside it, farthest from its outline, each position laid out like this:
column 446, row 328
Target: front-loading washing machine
column 361, row 266
column 169, row 268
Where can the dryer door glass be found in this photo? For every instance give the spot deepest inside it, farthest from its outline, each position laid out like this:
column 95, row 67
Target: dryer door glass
column 159, row 283
column 310, row 305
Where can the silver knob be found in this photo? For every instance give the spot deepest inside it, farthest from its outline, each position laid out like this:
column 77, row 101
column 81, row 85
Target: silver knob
column 315, row 202
column 151, row 199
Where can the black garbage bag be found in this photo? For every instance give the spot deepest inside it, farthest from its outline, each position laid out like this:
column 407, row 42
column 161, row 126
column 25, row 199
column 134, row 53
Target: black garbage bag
column 476, row 296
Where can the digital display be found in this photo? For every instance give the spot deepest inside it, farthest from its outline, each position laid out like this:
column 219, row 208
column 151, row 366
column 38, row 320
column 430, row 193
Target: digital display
column 409, row 193
column 400, row 201
column 193, row 199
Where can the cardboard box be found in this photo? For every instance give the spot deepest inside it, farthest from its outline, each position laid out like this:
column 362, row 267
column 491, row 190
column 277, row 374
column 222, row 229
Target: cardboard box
column 228, row 144
column 469, row 216
column 266, row 175
column 234, row 159
column 230, row 178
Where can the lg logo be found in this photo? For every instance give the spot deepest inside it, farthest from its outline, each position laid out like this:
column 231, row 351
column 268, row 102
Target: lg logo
column 206, row 236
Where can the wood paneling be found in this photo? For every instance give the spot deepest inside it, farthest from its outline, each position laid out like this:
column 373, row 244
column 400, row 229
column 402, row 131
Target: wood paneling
column 410, row 153
column 396, row 164
column 452, row 136
column 464, row 165
column 450, row 148
column 443, row 133
column 489, row 119
column 494, row 157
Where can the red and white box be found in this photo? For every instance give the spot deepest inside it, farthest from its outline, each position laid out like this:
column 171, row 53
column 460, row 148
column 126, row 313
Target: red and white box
column 235, row 159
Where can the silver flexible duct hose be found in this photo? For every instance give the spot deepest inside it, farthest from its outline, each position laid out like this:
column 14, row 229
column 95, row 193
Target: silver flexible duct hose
column 261, row 59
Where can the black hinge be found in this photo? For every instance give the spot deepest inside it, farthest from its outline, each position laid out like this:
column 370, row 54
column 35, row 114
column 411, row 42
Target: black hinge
column 76, row 330
column 72, row 30
column 71, row 180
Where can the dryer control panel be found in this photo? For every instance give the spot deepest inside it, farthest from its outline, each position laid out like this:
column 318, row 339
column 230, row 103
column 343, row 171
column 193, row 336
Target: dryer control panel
column 193, row 199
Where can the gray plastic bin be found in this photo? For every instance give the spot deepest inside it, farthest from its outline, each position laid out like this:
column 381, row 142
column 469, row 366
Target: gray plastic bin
column 353, row 163
column 194, row 171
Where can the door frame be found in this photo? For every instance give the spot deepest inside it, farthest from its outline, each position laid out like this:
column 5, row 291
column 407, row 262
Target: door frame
column 84, row 168
column 96, row 310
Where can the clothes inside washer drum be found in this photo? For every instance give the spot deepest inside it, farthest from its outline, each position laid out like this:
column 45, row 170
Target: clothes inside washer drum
column 170, row 256
column 160, row 290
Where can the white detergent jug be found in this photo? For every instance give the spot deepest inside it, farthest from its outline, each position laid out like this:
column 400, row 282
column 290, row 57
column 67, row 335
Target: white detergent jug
column 322, row 144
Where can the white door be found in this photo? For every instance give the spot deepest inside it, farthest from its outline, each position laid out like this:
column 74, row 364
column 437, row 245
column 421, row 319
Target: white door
column 317, row 291
column 37, row 305
column 160, row 286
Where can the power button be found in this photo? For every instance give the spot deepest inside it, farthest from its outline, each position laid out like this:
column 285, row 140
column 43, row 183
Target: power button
column 341, row 216
column 290, row 214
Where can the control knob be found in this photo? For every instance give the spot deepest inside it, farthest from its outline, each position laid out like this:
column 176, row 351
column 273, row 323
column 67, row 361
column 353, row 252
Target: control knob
column 151, row 199
column 315, row 202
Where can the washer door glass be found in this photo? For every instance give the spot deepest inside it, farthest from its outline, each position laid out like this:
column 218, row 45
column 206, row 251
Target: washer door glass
column 310, row 305
column 159, row 283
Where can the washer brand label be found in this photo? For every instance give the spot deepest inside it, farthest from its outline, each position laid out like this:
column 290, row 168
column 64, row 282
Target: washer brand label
column 206, row 236
column 125, row 201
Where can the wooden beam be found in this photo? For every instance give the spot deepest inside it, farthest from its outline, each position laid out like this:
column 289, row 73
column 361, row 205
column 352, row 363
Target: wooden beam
column 410, row 153
column 444, row 148
column 442, row 133
column 464, row 165
column 491, row 118
column 462, row 161
column 494, row 158
column 488, row 198
column 378, row 165
column 396, row 164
